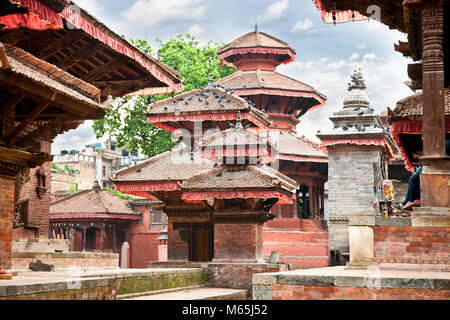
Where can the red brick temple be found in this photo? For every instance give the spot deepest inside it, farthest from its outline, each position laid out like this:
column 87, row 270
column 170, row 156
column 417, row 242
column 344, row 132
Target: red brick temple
column 98, row 221
column 256, row 56
column 217, row 194
column 57, row 65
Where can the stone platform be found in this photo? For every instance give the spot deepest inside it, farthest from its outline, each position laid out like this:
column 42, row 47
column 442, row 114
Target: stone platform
column 65, row 260
column 231, row 275
column 97, row 284
column 337, row 283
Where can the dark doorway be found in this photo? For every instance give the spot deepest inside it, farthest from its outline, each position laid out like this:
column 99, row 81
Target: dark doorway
column 202, row 242
column 90, row 238
column 303, row 202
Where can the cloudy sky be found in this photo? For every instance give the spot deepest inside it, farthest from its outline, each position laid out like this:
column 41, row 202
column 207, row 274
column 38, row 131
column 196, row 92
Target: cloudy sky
column 326, row 54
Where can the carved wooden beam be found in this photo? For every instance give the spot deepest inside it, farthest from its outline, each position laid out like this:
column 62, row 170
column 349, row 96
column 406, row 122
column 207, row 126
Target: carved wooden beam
column 54, row 125
column 82, row 54
column 122, row 83
column 101, row 70
column 10, row 105
column 39, row 93
column 60, row 43
column 415, row 74
column 404, row 48
column 13, row 135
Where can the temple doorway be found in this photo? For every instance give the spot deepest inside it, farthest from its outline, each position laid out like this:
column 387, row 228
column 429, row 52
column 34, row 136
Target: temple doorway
column 303, row 202
column 90, row 238
column 202, row 242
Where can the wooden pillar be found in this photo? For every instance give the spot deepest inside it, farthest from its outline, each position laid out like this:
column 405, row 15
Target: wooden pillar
column 295, row 207
column 102, row 232
column 312, row 201
column 433, row 119
column 84, row 238
column 114, row 238
column 322, row 201
column 434, row 182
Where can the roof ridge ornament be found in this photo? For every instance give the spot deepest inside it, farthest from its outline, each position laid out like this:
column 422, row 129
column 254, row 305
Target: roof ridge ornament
column 356, row 97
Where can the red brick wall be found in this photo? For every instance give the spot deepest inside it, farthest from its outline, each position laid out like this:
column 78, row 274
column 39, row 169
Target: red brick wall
column 143, row 248
column 412, row 244
column 283, row 223
column 237, row 276
column 38, row 208
column 7, row 185
column 293, row 292
column 236, row 241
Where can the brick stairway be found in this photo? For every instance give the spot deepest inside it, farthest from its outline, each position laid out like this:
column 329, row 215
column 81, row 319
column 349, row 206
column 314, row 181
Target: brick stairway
column 301, row 243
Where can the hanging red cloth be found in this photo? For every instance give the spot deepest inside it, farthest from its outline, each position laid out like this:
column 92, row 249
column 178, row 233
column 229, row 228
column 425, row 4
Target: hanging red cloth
column 27, row 20
column 39, row 16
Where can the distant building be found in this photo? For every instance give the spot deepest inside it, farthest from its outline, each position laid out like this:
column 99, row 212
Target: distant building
column 77, row 170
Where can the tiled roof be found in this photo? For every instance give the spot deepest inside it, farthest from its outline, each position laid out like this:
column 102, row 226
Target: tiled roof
column 25, row 64
column 171, row 165
column 287, row 144
column 256, row 39
column 233, row 137
column 412, row 106
column 245, row 177
column 91, row 201
column 300, row 146
column 212, row 100
column 265, row 80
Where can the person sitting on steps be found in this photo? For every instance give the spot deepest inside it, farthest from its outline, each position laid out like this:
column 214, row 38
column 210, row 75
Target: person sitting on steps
column 412, row 198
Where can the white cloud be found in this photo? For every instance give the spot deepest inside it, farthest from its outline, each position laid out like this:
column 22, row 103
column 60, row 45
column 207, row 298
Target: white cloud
column 91, row 6
column 384, row 80
column 337, row 65
column 196, row 30
column 274, row 11
column 151, row 13
column 369, row 56
column 302, row 25
column 353, row 57
column 361, row 46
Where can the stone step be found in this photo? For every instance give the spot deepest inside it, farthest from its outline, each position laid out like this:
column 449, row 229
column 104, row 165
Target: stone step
column 202, row 293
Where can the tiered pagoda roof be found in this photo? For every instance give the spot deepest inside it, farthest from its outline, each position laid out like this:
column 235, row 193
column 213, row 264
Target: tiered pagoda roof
column 256, row 42
column 256, row 56
column 184, row 175
column 271, row 82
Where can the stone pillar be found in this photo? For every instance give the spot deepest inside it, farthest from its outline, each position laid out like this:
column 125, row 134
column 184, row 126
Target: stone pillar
column 361, row 241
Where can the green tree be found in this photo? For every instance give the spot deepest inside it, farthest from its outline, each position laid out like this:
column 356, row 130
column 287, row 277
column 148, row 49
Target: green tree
column 125, row 120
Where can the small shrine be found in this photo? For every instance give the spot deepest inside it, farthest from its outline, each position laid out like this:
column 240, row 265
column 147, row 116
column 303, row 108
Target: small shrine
column 358, row 146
